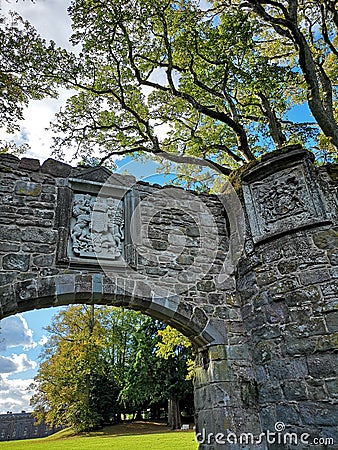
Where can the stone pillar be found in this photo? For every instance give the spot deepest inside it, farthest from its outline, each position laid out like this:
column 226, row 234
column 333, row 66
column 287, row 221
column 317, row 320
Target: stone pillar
column 289, row 288
column 225, row 398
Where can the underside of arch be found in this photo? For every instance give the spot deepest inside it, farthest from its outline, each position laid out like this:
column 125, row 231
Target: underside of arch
column 97, row 288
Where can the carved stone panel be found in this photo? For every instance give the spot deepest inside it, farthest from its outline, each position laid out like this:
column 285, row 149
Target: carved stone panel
column 282, row 201
column 93, row 220
column 97, row 227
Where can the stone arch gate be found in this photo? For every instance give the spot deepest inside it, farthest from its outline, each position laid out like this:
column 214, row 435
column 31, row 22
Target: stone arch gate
column 250, row 277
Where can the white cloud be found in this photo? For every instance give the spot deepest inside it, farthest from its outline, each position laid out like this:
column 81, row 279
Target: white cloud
column 14, row 395
column 49, row 17
column 37, row 118
column 14, row 332
column 52, row 21
column 16, row 363
column 43, row 340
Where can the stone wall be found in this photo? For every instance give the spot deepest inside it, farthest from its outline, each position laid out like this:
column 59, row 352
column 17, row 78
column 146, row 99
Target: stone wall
column 250, row 278
column 289, row 290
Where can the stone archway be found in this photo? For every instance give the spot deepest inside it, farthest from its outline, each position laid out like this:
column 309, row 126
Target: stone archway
column 258, row 301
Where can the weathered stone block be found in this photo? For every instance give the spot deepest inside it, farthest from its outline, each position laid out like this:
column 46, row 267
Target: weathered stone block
column 26, row 291
column 287, row 414
column 206, row 286
column 156, row 271
column 9, row 160
column 283, row 286
column 44, row 214
column 30, row 164
column 299, row 345
column 49, row 189
column 314, row 277
column 270, row 393
column 221, row 371
column 323, row 365
column 318, row 414
column 316, row 390
column 329, row 342
column 277, row 313
column 327, row 240
column 25, row 211
column 333, row 257
column 7, row 210
column 56, row 168
column 330, row 289
column 33, row 247
column 266, row 351
column 332, row 387
column 295, row 390
column 288, row 266
column 9, row 233
column 6, row 247
column 7, row 185
column 261, row 375
column 6, row 278
column 331, row 320
column 216, row 299
column 39, row 235
column 16, row 261
column 312, row 327
column 247, row 286
column 217, row 352
column 308, row 294
column 193, row 231
column 185, row 260
column 257, row 320
column 266, row 332
column 286, row 369
column 48, row 198
column 43, row 260
column 266, row 278
column 268, row 417
column 27, row 188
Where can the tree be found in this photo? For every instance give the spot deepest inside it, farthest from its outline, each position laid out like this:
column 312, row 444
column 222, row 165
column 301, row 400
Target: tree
column 186, row 81
column 159, row 370
column 141, row 380
column 101, row 362
column 71, row 358
column 83, row 366
column 208, row 86
column 26, row 71
column 305, row 31
column 175, row 348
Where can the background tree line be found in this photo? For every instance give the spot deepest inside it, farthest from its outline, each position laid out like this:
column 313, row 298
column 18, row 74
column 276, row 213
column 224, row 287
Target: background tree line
column 101, row 364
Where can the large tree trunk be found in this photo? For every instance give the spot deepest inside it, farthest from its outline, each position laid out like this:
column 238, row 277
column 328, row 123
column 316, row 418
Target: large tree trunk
column 174, row 413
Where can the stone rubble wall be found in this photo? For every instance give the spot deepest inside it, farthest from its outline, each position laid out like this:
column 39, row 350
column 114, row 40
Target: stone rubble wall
column 289, row 291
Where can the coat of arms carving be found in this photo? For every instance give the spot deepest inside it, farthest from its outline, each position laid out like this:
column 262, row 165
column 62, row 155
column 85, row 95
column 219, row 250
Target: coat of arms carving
column 97, row 227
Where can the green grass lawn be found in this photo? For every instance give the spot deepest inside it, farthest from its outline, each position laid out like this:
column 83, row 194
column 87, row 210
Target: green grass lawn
column 138, row 436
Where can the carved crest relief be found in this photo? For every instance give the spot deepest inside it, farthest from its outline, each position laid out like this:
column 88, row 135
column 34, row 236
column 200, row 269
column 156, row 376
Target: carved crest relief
column 281, row 202
column 97, row 227
column 282, row 198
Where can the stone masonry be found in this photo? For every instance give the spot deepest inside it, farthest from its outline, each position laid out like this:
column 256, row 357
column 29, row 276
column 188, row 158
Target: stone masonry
column 249, row 276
